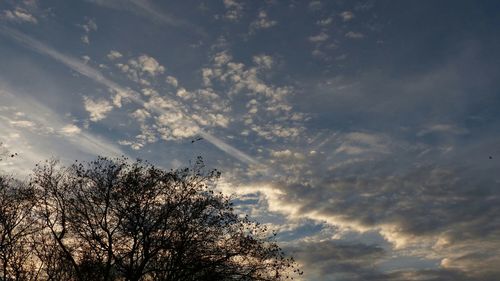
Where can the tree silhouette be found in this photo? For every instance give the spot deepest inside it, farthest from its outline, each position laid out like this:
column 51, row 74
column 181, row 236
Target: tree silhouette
column 4, row 153
column 112, row 219
column 17, row 227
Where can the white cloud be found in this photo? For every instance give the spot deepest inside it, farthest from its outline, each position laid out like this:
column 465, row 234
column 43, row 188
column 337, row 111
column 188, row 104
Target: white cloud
column 354, row 35
column 18, row 15
column 120, row 96
column 85, row 39
column 141, row 115
column 442, row 128
column 350, row 149
column 319, row 38
column 113, row 55
column 315, row 5
column 97, row 109
column 222, row 58
column 263, row 61
column 22, row 123
column 85, row 59
column 282, row 153
column 347, row 15
column 125, row 142
column 147, row 10
column 70, row 130
column 172, row 81
column 207, row 74
column 96, row 75
column 325, row 22
column 356, row 143
column 318, row 54
column 269, row 114
column 89, row 26
column 37, row 139
column 234, row 10
column 262, row 22
column 147, row 64
column 174, row 126
column 183, row 94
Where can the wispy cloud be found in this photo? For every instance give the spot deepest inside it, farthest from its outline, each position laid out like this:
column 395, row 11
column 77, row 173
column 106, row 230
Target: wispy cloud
column 145, row 9
column 19, row 15
column 98, row 77
column 37, row 133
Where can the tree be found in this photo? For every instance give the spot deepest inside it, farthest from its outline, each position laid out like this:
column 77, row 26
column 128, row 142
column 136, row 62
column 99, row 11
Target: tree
column 17, row 226
column 4, row 153
column 112, row 219
column 16, row 229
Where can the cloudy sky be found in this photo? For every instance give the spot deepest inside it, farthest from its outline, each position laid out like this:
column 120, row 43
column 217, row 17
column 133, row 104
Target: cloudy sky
column 366, row 132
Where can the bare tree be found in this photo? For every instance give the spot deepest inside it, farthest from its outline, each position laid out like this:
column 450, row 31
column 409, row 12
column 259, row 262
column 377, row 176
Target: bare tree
column 17, row 226
column 4, row 153
column 117, row 220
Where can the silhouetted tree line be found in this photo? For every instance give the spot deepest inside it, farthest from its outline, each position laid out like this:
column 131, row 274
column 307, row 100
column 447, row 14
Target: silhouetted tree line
column 113, row 219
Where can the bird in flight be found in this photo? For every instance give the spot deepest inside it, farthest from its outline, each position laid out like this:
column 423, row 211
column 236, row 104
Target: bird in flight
column 196, row 139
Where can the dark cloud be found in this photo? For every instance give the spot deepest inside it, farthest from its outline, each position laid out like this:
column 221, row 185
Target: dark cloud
column 395, row 133
column 335, row 259
column 429, row 203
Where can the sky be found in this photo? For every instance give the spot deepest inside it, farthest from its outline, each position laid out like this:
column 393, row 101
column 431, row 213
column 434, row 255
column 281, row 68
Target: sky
column 366, row 132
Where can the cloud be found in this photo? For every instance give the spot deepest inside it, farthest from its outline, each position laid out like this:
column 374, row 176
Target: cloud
column 85, row 59
column 172, row 81
column 22, row 123
column 70, row 130
column 442, row 128
column 347, row 15
column 262, row 22
column 353, row 261
column 89, row 26
column 234, row 10
column 148, row 11
column 263, row 61
column 319, row 38
column 113, row 55
column 145, row 64
column 264, row 102
column 141, row 115
column 354, row 35
column 45, row 133
column 410, row 211
column 98, row 109
column 315, row 5
column 282, row 154
column 95, row 75
column 325, row 22
column 337, row 260
column 424, row 207
column 141, row 69
column 18, row 15
column 359, row 179
column 363, row 143
column 85, row 39
column 73, row 63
